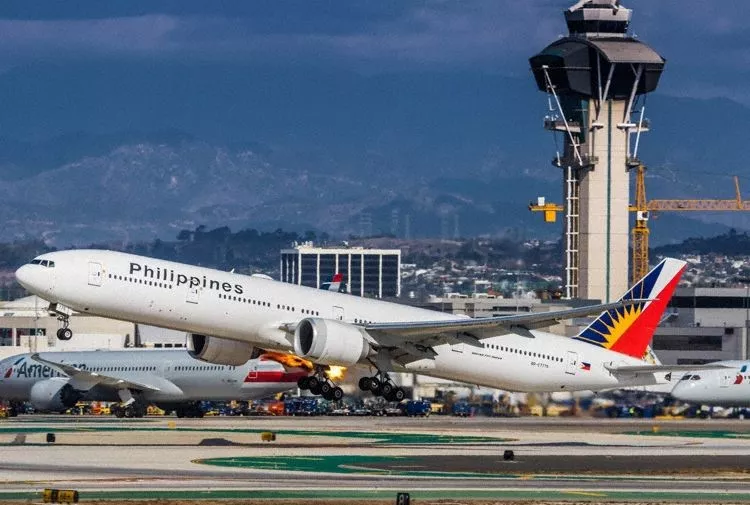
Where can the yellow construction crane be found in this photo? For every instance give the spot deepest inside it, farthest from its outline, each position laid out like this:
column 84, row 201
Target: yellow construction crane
column 643, row 209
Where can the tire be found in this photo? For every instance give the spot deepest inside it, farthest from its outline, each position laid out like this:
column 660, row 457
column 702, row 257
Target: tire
column 337, row 393
column 120, row 413
column 315, row 389
column 364, row 384
column 313, row 382
column 387, row 389
column 325, row 388
column 303, row 383
column 398, row 395
column 374, row 385
column 327, row 395
column 64, row 334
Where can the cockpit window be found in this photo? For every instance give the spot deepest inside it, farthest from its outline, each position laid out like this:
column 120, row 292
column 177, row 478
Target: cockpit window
column 695, row 377
column 44, row 263
column 686, row 377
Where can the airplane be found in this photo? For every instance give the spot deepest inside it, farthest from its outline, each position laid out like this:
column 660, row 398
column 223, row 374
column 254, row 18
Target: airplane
column 228, row 316
column 336, row 284
column 726, row 387
column 171, row 379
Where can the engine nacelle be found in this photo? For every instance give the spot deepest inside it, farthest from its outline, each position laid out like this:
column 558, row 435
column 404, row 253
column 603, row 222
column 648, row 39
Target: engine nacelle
column 54, row 395
column 221, row 351
column 329, row 342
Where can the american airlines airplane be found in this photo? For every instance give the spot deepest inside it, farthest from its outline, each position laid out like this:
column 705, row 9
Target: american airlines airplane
column 171, row 379
column 727, row 387
column 228, row 316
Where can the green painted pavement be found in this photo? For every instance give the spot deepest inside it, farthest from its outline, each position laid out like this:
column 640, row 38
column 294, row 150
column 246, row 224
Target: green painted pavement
column 579, row 495
column 373, row 437
column 405, row 466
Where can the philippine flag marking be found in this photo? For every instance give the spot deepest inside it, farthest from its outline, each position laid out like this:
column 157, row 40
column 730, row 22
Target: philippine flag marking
column 585, row 366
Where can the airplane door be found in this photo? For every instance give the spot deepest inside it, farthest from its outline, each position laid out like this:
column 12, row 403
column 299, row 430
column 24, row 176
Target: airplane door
column 95, row 273
column 571, row 362
column 338, row 313
column 193, row 295
column 458, row 348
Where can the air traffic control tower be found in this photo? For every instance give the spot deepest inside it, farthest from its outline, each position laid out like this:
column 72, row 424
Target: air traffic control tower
column 597, row 78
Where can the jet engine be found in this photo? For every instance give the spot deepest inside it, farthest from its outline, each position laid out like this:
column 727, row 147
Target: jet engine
column 54, row 395
column 221, row 351
column 328, row 342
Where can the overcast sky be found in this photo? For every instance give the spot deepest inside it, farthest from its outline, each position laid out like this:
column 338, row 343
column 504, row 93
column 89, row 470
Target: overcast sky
column 707, row 44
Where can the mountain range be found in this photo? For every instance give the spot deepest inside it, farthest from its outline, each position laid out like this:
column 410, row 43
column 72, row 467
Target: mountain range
column 418, row 155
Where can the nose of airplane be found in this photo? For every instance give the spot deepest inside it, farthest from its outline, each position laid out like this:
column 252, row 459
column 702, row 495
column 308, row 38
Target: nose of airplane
column 687, row 391
column 35, row 279
column 24, row 276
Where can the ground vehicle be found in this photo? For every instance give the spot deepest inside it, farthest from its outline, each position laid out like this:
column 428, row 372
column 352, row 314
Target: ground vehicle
column 461, row 409
column 301, row 407
column 414, row 408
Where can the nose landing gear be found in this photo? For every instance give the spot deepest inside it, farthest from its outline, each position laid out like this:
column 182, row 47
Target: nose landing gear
column 64, row 333
column 319, row 384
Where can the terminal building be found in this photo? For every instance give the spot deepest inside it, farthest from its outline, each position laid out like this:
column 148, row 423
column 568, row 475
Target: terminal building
column 27, row 326
column 374, row 273
column 704, row 325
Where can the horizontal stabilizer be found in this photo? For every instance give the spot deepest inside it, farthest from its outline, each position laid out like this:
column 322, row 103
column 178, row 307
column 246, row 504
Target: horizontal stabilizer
column 625, row 369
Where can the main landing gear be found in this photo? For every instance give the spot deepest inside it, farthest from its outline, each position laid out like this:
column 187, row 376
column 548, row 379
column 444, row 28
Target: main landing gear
column 64, row 333
column 382, row 385
column 319, row 384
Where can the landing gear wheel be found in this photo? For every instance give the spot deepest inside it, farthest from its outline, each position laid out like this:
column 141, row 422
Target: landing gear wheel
column 398, row 394
column 313, row 383
column 387, row 389
column 303, row 383
column 364, row 384
column 374, row 385
column 64, row 334
column 327, row 395
column 337, row 393
column 315, row 389
column 325, row 388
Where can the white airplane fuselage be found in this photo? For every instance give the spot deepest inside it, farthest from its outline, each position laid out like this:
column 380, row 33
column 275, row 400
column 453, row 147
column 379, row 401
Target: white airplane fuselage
column 177, row 376
column 726, row 388
column 255, row 309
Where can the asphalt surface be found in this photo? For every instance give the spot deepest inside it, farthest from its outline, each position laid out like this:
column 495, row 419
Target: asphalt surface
column 646, row 460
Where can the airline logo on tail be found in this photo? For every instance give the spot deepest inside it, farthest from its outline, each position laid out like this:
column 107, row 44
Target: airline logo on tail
column 629, row 329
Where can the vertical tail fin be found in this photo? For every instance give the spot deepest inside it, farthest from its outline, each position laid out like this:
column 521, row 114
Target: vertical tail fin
column 629, row 330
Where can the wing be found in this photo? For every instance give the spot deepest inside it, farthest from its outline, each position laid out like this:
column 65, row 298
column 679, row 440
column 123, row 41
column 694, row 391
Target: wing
column 479, row 328
column 409, row 341
column 632, row 369
column 83, row 380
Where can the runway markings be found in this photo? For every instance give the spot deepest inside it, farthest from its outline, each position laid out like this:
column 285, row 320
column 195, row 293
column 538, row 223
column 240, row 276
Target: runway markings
column 585, row 493
column 390, row 438
column 691, row 434
column 662, row 496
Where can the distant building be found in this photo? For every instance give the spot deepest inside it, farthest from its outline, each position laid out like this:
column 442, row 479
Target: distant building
column 27, row 326
column 367, row 272
column 704, row 325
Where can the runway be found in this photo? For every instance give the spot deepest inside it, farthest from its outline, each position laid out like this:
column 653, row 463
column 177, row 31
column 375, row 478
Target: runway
column 363, row 458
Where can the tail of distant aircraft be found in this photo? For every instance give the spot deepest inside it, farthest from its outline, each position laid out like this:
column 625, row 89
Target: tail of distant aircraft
column 629, row 329
column 335, row 284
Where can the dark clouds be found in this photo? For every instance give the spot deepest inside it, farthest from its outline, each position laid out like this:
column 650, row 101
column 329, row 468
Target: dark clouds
column 705, row 43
